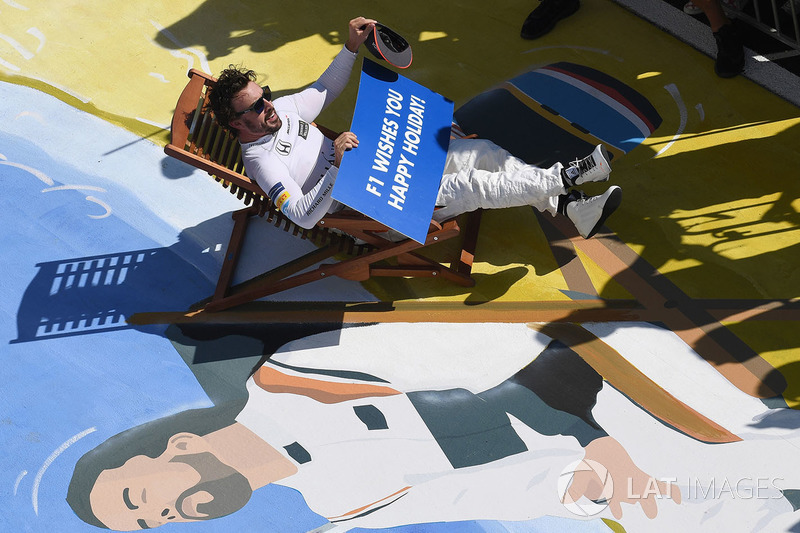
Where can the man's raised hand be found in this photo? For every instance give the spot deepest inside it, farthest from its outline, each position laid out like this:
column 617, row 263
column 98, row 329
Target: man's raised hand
column 359, row 29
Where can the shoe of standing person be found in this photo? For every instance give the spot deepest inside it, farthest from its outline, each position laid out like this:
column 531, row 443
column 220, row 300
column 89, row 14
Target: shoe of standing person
column 691, row 9
column 544, row 18
column 730, row 52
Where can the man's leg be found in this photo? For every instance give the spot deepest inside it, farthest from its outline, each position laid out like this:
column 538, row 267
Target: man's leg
column 479, row 174
column 480, row 189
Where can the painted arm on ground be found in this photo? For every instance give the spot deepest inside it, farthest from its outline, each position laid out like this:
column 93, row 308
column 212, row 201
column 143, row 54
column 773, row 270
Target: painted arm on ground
column 523, row 488
column 629, row 483
column 568, row 386
column 567, row 383
column 507, row 449
column 554, row 394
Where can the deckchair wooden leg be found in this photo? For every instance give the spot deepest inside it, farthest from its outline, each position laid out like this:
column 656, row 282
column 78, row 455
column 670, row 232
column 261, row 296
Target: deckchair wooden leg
column 415, row 265
column 463, row 264
column 241, row 220
column 357, row 269
column 460, row 272
column 410, row 264
column 266, row 290
column 274, row 281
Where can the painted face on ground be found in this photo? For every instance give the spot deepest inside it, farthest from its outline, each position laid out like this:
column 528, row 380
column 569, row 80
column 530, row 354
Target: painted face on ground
column 254, row 123
column 146, row 493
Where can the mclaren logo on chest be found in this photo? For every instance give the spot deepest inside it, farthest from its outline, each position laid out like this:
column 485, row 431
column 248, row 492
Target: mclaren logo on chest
column 283, row 147
column 302, row 129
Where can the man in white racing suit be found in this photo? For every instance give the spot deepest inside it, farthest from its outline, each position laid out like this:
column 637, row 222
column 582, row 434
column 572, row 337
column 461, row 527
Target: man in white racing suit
column 296, row 165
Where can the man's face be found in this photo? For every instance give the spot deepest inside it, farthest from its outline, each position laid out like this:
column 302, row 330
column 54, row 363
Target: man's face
column 146, row 493
column 252, row 124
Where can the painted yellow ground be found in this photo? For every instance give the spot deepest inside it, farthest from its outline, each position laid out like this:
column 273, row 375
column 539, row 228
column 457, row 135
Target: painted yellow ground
column 710, row 199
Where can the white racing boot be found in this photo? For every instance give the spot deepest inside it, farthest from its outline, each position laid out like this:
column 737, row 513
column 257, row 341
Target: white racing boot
column 593, row 167
column 589, row 213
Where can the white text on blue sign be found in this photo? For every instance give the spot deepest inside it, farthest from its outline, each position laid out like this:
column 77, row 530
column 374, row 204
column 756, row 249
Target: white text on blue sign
column 409, row 146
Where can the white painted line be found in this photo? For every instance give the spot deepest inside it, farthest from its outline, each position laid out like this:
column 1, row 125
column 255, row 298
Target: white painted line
column 15, row 5
column 200, row 55
column 101, row 204
column 41, row 176
column 19, row 480
column 24, row 52
column 9, row 66
column 672, row 89
column 151, row 123
column 39, row 35
column 53, row 456
column 701, row 111
column 75, row 188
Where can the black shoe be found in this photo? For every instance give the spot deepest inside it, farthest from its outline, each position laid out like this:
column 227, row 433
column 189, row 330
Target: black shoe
column 730, row 52
column 543, row 19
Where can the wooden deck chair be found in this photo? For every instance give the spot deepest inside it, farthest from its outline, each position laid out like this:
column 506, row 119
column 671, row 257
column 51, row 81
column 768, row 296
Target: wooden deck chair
column 198, row 140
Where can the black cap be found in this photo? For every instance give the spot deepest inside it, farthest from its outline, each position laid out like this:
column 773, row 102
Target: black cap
column 386, row 44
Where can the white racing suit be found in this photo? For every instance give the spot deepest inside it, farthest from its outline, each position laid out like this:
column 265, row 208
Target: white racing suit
column 480, row 174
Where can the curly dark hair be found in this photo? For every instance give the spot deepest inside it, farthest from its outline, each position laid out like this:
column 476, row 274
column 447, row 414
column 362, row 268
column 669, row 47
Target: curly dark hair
column 232, row 80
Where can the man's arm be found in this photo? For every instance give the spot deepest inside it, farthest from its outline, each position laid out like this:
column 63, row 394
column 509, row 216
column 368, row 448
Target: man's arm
column 631, row 484
column 526, row 487
column 311, row 101
column 305, row 210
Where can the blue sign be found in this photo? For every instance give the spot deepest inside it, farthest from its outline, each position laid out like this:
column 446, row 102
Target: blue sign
column 403, row 132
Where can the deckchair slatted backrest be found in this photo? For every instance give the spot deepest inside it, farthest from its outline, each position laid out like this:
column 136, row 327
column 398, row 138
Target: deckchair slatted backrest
column 198, row 140
column 207, row 139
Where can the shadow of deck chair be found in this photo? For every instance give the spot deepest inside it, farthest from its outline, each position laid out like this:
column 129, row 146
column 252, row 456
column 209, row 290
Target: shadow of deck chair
column 198, row 140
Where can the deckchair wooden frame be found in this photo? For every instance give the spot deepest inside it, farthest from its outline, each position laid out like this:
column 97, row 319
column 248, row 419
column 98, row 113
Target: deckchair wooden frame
column 196, row 139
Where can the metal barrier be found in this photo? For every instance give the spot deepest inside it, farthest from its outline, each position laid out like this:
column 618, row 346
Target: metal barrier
column 779, row 22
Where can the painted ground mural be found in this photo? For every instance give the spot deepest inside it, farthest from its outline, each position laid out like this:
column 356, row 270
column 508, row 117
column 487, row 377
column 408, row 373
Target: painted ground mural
column 645, row 379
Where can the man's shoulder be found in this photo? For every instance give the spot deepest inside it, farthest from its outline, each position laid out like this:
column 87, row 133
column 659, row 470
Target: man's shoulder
column 286, row 104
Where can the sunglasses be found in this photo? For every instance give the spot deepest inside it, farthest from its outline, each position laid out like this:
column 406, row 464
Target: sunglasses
column 258, row 106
